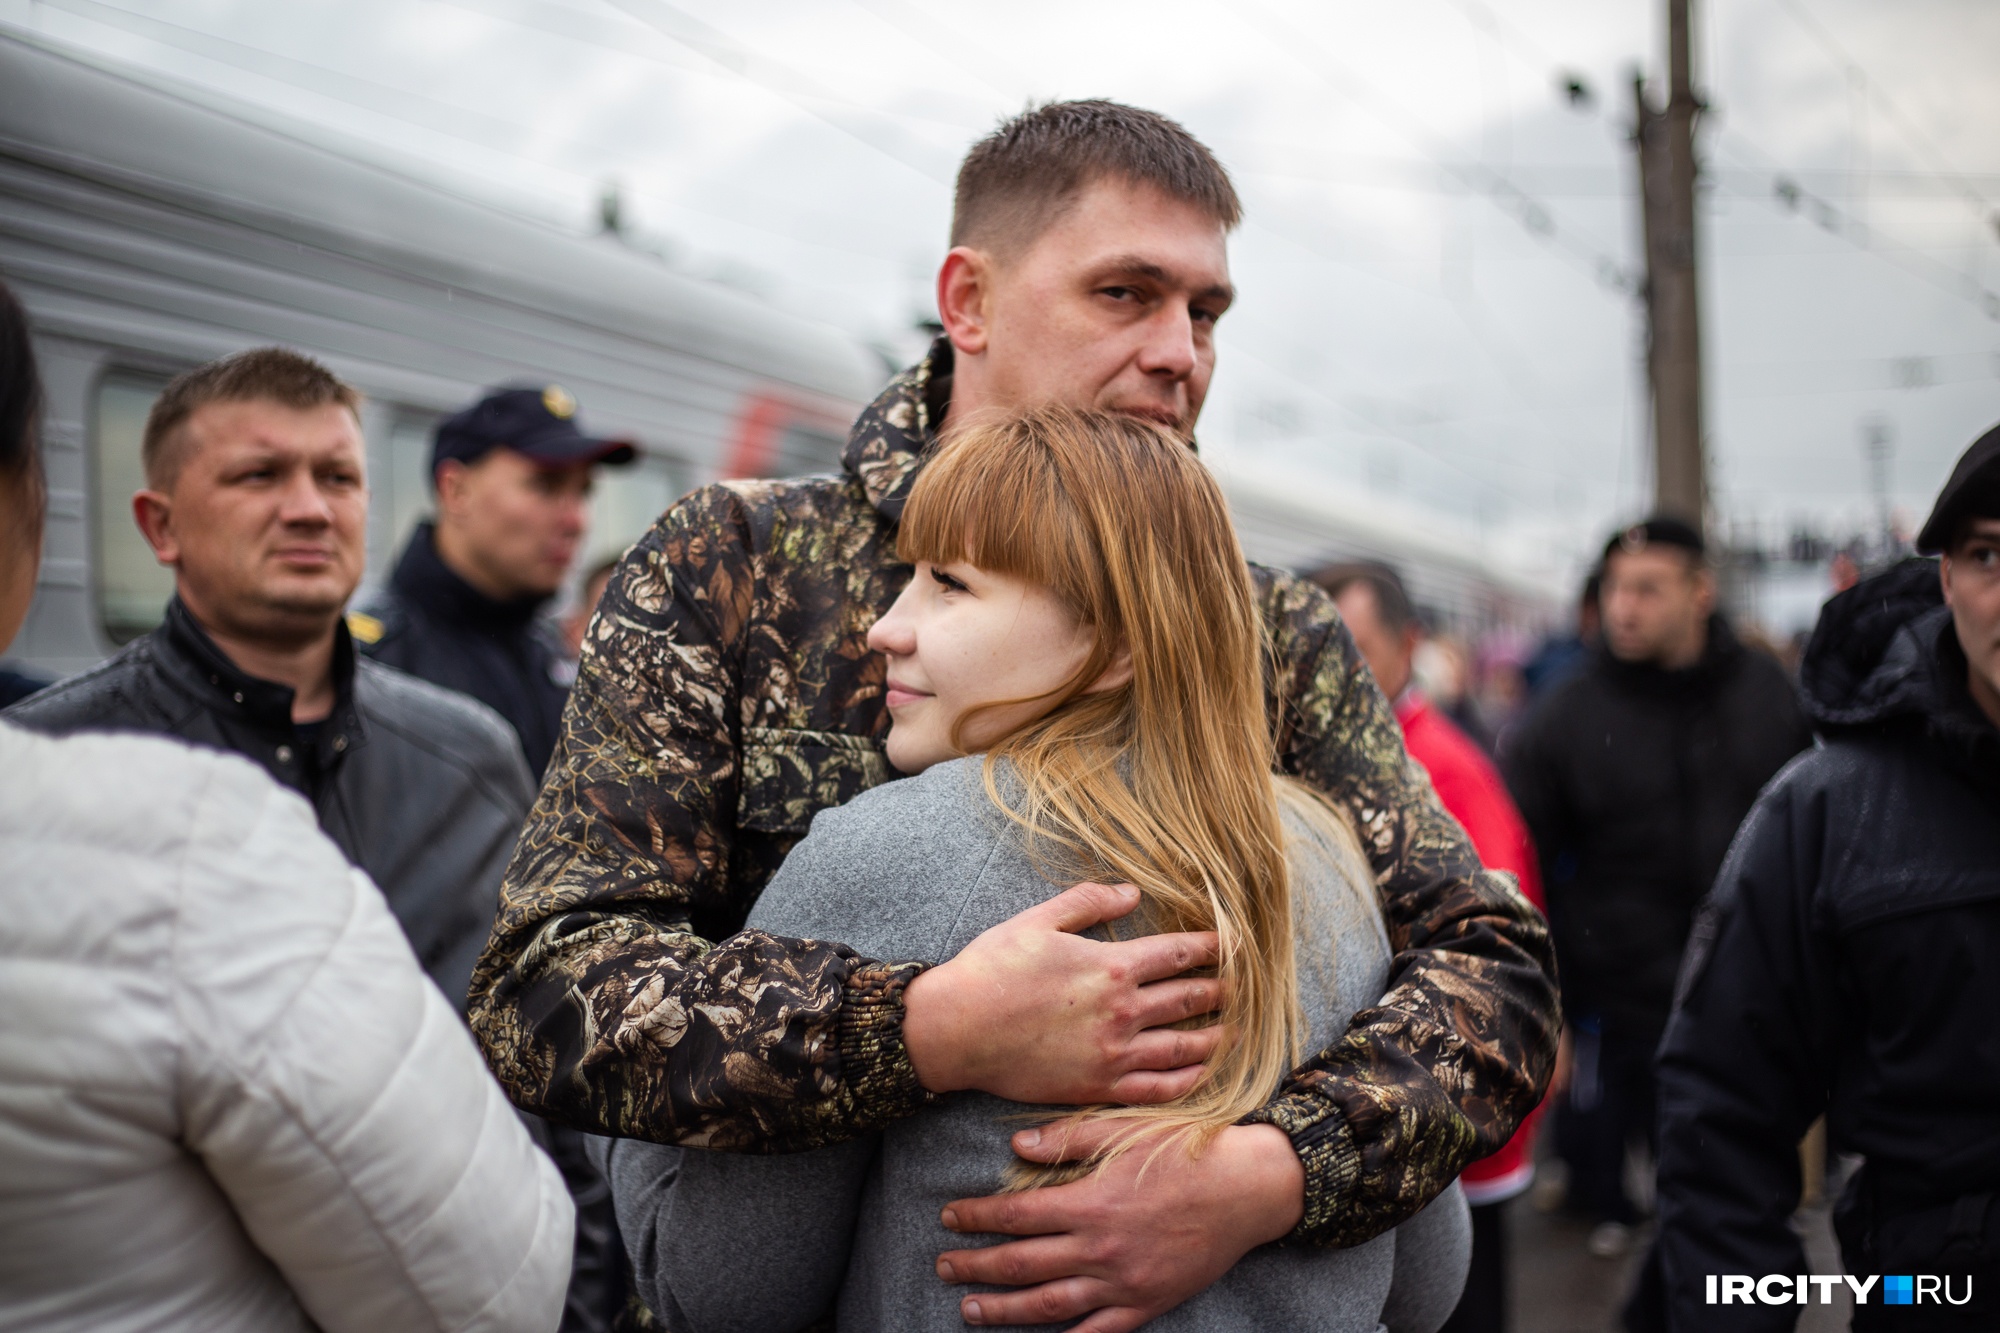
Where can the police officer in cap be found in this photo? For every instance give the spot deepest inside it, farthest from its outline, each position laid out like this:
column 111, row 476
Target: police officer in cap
column 463, row 608
column 1848, row 964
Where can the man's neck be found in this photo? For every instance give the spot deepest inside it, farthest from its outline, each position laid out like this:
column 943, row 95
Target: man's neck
column 305, row 665
column 1687, row 654
column 455, row 555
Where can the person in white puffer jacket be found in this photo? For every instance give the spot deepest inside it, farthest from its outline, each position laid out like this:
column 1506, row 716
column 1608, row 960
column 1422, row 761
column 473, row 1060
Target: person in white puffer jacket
column 230, row 1100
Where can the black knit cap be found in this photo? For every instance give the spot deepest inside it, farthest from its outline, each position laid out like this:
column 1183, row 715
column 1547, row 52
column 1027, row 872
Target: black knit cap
column 1659, row 530
column 1973, row 492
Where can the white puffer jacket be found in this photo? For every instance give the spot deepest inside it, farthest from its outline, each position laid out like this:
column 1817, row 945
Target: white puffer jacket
column 229, row 1100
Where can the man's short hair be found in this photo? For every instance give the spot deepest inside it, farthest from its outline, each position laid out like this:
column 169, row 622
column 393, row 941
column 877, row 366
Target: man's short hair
column 275, row 373
column 1392, row 600
column 1018, row 180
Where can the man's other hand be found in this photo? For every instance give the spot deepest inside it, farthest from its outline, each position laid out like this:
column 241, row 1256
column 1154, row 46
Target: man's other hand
column 1130, row 1241
column 1034, row 1012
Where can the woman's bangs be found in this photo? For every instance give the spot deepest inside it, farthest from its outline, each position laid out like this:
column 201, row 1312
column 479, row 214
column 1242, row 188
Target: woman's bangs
column 982, row 501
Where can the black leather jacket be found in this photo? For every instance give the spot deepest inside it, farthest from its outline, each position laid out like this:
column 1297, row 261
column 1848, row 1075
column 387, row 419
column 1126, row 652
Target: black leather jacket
column 422, row 788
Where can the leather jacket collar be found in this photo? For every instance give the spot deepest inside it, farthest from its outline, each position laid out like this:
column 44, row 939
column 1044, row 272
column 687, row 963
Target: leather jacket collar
column 192, row 661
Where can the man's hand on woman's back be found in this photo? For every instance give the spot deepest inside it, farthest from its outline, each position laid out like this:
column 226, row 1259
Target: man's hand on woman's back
column 1033, row 1011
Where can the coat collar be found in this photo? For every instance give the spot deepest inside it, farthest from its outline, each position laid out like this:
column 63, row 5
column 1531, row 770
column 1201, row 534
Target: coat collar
column 887, row 445
column 423, row 579
column 187, row 653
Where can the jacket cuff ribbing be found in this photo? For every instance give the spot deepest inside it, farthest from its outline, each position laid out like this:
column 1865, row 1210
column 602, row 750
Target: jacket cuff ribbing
column 874, row 1062
column 1326, row 1148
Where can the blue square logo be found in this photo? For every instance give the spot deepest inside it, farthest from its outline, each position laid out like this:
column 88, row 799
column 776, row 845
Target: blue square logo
column 1898, row 1290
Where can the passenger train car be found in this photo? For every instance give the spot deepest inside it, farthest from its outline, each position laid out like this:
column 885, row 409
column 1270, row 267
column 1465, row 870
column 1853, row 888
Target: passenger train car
column 148, row 228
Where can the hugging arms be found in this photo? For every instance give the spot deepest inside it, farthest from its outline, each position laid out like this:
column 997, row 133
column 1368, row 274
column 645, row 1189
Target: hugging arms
column 727, row 694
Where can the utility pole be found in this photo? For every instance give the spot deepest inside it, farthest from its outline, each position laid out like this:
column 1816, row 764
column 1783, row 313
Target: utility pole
column 1665, row 141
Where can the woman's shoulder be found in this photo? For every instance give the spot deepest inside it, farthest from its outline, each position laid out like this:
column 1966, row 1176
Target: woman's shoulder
column 886, row 872
column 912, row 817
column 1336, row 903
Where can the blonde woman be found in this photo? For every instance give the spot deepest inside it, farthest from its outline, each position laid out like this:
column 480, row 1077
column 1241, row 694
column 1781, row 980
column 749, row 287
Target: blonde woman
column 1074, row 676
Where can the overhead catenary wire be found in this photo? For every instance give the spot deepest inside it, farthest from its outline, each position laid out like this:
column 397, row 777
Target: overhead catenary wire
column 447, row 120
column 1905, row 124
column 1788, row 191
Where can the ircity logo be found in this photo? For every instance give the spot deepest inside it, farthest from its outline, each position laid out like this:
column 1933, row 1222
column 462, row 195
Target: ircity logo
column 1784, row 1289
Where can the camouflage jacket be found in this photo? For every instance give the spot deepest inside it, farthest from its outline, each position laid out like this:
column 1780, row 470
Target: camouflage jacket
column 726, row 694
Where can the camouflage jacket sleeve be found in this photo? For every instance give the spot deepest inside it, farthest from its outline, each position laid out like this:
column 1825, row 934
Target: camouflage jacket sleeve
column 598, row 1002
column 1462, row 1045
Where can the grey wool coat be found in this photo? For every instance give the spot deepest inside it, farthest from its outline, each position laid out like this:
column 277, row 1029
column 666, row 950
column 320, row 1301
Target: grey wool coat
column 915, row 869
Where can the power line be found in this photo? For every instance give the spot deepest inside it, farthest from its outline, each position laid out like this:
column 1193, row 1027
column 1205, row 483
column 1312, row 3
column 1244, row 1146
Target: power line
column 1494, row 185
column 1905, row 124
column 1795, row 198
column 470, row 127
column 865, row 125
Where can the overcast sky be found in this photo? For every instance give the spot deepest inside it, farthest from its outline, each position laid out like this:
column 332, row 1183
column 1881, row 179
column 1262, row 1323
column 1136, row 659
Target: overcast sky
column 1431, row 313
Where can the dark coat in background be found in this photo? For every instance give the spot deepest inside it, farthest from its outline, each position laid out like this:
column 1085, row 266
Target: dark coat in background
column 423, row 789
column 433, row 624
column 1846, row 965
column 1633, row 780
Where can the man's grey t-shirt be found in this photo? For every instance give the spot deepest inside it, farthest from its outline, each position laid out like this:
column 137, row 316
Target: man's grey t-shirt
column 914, row 870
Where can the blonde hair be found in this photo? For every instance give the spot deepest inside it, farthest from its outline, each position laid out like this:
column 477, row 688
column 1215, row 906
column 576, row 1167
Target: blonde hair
column 1166, row 781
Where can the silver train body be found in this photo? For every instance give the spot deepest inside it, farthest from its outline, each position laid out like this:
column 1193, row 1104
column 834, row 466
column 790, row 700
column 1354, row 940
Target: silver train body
column 148, row 229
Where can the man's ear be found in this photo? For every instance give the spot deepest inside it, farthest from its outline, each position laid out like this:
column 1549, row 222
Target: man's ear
column 1704, row 590
column 153, row 511
column 448, row 483
column 964, row 285
column 1944, row 576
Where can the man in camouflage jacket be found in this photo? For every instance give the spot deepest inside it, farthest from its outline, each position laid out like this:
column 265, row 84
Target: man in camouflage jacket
column 726, row 693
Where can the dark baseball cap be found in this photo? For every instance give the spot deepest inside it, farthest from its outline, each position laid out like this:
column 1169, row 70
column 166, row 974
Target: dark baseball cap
column 540, row 423
column 1972, row 492
column 1659, row 530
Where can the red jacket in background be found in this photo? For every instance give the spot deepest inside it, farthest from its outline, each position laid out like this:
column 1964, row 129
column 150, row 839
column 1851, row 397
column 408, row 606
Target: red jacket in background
column 1470, row 787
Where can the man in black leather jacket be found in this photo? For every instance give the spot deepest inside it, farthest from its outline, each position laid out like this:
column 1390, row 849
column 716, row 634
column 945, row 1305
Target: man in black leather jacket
column 257, row 498
column 1846, row 965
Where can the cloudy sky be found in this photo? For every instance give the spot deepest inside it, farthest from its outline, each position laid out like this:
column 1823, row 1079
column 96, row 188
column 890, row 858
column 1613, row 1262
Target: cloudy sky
column 1434, row 312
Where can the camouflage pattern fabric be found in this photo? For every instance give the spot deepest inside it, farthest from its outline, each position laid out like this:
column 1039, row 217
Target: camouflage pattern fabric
column 726, row 693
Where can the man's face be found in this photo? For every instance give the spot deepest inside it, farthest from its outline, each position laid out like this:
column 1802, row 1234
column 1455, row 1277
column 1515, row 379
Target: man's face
column 1389, row 652
column 1113, row 307
column 1971, row 574
column 1656, row 602
column 511, row 526
column 265, row 525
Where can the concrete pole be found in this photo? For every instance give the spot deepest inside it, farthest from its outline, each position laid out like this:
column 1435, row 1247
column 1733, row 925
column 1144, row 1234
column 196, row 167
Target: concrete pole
column 1665, row 141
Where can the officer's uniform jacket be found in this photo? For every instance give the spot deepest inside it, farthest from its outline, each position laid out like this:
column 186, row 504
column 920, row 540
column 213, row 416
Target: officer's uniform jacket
column 726, row 693
column 433, row 624
column 422, row 788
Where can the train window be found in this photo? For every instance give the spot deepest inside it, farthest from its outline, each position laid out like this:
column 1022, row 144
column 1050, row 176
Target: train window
column 132, row 587
column 399, row 488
